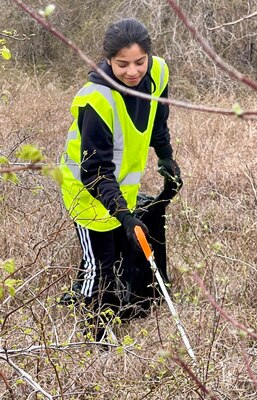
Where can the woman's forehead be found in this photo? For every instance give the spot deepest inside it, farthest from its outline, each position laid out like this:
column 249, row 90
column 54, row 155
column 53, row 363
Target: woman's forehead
column 134, row 51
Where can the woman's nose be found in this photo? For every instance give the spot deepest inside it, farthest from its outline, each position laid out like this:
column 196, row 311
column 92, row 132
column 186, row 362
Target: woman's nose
column 131, row 70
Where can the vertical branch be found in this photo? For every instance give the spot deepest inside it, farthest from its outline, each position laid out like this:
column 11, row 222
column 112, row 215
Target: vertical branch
column 248, row 368
column 51, row 361
column 193, row 376
column 221, row 310
column 8, row 387
column 231, row 71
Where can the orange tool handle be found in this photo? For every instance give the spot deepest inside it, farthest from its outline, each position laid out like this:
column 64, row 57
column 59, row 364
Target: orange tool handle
column 142, row 241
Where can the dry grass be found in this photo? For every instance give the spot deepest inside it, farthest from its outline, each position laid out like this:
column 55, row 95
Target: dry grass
column 211, row 224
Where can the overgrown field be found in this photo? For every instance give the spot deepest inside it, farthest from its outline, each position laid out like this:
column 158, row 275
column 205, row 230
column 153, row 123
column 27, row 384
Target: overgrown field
column 211, row 248
column 211, row 230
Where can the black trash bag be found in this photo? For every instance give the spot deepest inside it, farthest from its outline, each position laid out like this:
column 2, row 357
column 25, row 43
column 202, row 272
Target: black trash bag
column 142, row 288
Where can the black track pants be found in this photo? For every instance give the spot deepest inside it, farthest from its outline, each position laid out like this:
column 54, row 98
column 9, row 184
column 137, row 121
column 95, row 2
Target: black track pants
column 102, row 265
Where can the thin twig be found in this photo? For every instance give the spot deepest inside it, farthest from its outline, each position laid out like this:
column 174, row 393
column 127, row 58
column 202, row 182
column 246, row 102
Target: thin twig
column 11, row 168
column 51, row 361
column 26, row 377
column 32, row 299
column 8, row 387
column 248, row 367
column 14, row 37
column 233, row 22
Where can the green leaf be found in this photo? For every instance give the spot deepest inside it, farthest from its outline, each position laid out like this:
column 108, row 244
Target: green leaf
column 11, row 291
column 1, row 291
column 49, row 10
column 127, row 340
column 117, row 321
column 217, row 246
column 236, row 108
column 19, row 381
column 54, row 172
column 144, row 332
column 27, row 331
column 4, row 160
column 107, row 312
column 10, row 176
column 11, row 282
column 9, row 33
column 119, row 350
column 29, row 152
column 5, row 53
column 9, row 266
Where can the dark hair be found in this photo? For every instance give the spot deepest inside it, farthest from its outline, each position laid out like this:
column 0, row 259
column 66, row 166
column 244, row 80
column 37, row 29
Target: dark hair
column 125, row 33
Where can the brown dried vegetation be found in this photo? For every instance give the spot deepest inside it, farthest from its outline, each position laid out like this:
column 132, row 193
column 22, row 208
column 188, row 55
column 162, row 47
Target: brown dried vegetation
column 211, row 225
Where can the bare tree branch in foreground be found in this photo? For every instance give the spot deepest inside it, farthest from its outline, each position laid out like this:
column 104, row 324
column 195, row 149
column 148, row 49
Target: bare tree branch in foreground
column 249, row 114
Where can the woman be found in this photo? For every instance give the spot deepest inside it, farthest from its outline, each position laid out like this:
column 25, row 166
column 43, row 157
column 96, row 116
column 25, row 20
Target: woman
column 106, row 154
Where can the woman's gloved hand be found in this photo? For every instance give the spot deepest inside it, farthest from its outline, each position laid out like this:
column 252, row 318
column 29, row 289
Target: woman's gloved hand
column 170, row 170
column 129, row 222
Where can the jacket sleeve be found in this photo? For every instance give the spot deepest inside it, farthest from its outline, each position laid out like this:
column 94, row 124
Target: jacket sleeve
column 97, row 167
column 160, row 139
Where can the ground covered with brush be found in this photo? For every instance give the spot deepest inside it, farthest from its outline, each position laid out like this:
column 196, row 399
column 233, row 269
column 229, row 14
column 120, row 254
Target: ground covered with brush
column 210, row 226
column 211, row 241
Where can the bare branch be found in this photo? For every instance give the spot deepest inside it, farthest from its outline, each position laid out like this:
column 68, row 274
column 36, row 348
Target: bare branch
column 251, row 114
column 26, row 377
column 32, row 299
column 8, row 387
column 25, row 284
column 248, row 367
column 233, row 22
column 231, row 71
column 23, row 167
column 221, row 310
column 14, row 36
column 192, row 375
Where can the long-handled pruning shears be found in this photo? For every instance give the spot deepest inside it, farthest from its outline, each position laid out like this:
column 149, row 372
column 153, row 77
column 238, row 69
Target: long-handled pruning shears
column 149, row 256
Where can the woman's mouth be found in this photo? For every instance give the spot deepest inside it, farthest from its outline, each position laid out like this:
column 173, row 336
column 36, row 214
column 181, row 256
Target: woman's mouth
column 132, row 80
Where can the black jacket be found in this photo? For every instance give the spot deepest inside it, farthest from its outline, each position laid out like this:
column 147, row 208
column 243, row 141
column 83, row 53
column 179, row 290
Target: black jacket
column 97, row 172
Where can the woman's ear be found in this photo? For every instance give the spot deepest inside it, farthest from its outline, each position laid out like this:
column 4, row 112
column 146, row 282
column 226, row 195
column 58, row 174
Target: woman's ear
column 108, row 61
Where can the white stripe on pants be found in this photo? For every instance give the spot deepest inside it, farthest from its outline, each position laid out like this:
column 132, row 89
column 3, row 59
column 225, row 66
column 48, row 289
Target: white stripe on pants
column 88, row 257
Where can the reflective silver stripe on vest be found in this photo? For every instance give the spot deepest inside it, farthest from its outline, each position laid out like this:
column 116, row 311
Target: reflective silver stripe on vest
column 71, row 136
column 73, row 166
column 162, row 63
column 118, row 140
column 104, row 90
column 131, row 179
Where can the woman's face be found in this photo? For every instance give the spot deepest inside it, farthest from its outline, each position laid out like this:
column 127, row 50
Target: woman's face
column 129, row 65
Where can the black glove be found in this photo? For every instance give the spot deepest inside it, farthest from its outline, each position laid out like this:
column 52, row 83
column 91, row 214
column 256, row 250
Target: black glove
column 169, row 168
column 129, row 222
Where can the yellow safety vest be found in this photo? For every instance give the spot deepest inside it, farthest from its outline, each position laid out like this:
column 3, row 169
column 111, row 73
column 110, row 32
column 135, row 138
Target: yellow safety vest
column 130, row 150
